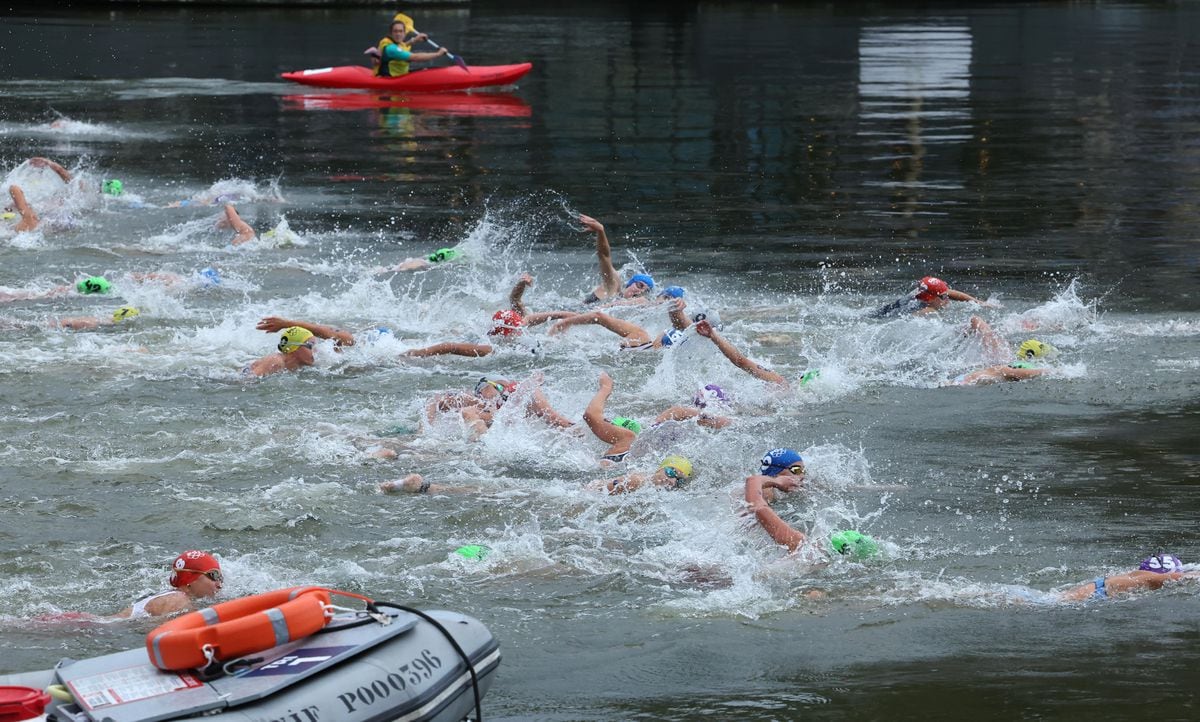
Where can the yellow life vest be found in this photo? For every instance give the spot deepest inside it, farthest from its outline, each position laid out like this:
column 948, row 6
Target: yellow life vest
column 391, row 68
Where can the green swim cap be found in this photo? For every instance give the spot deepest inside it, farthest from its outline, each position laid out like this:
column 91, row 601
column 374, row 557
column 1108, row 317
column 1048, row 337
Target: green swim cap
column 472, row 551
column 627, row 423
column 112, row 187
column 1022, row 365
column 809, row 376
column 852, row 543
column 444, row 254
column 94, row 284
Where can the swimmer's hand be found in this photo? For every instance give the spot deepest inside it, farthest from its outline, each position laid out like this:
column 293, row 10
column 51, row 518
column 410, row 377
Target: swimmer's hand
column 271, row 324
column 783, row 483
column 704, row 328
column 591, row 224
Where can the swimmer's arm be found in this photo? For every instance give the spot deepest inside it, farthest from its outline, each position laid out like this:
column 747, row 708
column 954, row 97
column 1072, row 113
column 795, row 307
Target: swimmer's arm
column 535, row 319
column 739, row 359
column 962, row 296
column 540, row 407
column 169, row 604
column 610, row 282
column 271, row 324
column 516, row 295
column 416, row 484
column 29, row 219
column 780, row 531
column 408, row 264
column 1011, row 374
column 78, row 323
column 243, row 233
column 450, row 348
column 675, row 313
column 40, row 162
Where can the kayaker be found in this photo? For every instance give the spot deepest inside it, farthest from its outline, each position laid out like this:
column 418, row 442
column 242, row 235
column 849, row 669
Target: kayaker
column 195, row 575
column 928, row 295
column 392, row 55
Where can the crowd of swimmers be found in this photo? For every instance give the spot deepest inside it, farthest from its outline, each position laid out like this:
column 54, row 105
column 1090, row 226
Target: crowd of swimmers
column 197, row 575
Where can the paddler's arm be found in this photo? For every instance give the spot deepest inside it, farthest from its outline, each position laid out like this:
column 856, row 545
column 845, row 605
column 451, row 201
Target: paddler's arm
column 395, row 52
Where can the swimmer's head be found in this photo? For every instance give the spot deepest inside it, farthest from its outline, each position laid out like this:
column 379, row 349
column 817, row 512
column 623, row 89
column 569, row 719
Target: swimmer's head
column 94, row 284
column 777, row 461
column 710, row 394
column 627, row 423
column 295, row 337
column 929, row 288
column 191, row 565
column 442, row 255
column 674, row 337
column 1033, row 348
column 112, row 187
column 713, row 318
column 671, row 292
column 638, row 284
column 124, row 313
column 506, row 322
column 472, row 551
column 677, row 468
column 483, row 385
column 848, row 542
column 1161, row 564
column 209, row 276
column 810, row 376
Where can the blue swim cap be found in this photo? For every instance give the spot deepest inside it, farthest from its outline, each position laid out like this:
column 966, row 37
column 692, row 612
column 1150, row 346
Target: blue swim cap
column 672, row 292
column 210, row 277
column 640, row 277
column 673, row 337
column 776, row 460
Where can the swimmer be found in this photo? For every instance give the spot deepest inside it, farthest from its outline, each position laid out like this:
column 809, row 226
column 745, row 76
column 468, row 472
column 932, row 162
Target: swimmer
column 416, row 484
column 438, row 257
column 478, row 409
column 673, row 473
column 242, row 232
column 507, row 325
column 618, row 432
column 737, row 358
column 705, row 402
column 124, row 314
column 63, row 173
column 195, row 575
column 634, row 337
column 610, row 281
column 296, row 345
column 1026, row 366
column 1153, row 573
column 928, row 295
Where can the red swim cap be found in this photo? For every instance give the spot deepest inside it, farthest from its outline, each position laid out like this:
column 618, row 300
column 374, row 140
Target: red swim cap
column 189, row 565
column 506, row 323
column 930, row 288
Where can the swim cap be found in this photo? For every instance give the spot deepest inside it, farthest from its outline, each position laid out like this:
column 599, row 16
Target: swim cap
column 506, row 322
column 627, row 423
column 210, row 277
column 776, row 460
column 444, row 254
column 1034, row 349
column 674, row 337
column 852, row 543
column 929, row 288
column 681, row 465
column 503, row 389
column 124, row 312
column 189, row 565
column 7, row 215
column 1161, row 564
column 112, row 187
column 472, row 551
column 711, row 393
column 93, row 284
column 640, row 278
column 712, row 317
column 671, row 292
column 293, row 338
column 810, row 376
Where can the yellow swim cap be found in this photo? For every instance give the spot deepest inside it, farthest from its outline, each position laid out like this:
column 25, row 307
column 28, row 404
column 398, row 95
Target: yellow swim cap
column 8, row 215
column 123, row 313
column 1034, row 349
column 679, row 464
column 293, row 338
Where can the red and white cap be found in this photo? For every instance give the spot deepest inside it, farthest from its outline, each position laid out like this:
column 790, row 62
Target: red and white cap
column 929, row 288
column 189, row 565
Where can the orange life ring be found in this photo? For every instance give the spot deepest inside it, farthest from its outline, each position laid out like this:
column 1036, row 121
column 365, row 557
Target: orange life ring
column 238, row 627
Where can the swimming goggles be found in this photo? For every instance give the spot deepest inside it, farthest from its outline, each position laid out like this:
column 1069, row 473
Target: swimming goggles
column 213, row 574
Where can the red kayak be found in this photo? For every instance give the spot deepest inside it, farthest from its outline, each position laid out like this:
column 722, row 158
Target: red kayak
column 452, row 77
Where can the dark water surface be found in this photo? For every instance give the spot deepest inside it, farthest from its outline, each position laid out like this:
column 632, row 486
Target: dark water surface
column 791, row 165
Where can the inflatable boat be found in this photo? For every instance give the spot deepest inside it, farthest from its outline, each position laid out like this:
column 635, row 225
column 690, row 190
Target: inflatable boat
column 386, row 663
column 428, row 80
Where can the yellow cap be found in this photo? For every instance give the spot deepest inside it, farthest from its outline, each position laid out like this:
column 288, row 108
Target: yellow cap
column 678, row 463
column 8, row 215
column 123, row 313
column 1034, row 349
column 293, row 338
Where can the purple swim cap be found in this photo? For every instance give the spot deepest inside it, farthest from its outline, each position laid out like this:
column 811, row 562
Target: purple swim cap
column 710, row 393
column 1161, row 564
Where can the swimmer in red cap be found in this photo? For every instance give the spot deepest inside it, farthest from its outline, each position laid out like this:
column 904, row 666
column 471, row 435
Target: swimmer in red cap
column 928, row 295
column 195, row 575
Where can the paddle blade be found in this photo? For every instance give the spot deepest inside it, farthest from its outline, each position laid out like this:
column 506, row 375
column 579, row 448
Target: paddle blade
column 460, row 62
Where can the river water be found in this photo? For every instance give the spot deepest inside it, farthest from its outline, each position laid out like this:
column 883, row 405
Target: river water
column 791, row 167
